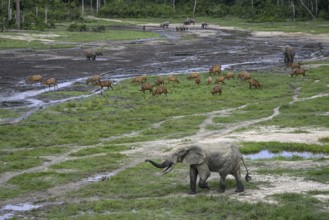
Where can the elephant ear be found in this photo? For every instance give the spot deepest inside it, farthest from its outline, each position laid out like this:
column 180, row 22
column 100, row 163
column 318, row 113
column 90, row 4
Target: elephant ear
column 195, row 155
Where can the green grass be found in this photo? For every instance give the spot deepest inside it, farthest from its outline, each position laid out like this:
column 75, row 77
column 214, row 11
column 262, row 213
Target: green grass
column 318, row 174
column 307, row 113
column 275, row 147
column 200, row 207
column 23, row 159
column 113, row 35
column 126, row 109
column 60, row 38
column 55, row 95
column 5, row 113
column 105, row 159
column 139, row 193
column 66, row 39
column 311, row 27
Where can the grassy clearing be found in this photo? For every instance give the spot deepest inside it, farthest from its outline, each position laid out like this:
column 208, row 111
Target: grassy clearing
column 125, row 110
column 311, row 27
column 60, row 38
column 104, row 36
column 55, row 95
column 102, row 159
column 204, row 207
column 4, row 113
column 139, row 193
column 26, row 158
column 317, row 174
column 275, row 147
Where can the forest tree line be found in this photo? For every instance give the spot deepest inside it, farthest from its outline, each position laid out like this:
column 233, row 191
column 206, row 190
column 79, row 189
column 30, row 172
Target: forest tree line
column 43, row 13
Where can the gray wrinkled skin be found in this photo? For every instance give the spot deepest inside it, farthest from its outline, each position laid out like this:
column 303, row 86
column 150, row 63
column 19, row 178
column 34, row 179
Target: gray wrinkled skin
column 289, row 55
column 91, row 54
column 203, row 159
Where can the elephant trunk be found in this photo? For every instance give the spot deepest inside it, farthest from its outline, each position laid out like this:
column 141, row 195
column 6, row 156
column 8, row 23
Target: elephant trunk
column 168, row 165
column 163, row 165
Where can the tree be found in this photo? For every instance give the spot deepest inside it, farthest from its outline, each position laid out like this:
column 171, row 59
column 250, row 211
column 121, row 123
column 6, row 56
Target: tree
column 18, row 14
column 194, row 8
column 82, row 7
column 9, row 10
column 307, row 9
column 293, row 10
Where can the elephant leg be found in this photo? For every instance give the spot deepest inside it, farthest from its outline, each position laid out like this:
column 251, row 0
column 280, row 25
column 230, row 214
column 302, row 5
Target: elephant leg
column 222, row 185
column 239, row 184
column 204, row 173
column 193, row 177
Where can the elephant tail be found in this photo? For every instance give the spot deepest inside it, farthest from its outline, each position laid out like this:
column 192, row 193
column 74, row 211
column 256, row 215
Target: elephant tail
column 248, row 178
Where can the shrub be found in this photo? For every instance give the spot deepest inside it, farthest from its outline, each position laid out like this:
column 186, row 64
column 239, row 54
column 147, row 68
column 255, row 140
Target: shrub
column 77, row 27
column 99, row 28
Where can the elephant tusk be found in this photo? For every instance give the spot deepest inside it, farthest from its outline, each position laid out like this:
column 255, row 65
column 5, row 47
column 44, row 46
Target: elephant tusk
column 168, row 169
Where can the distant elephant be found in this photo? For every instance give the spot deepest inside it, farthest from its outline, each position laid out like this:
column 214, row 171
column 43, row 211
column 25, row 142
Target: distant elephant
column 189, row 21
column 203, row 159
column 164, row 24
column 181, row 28
column 288, row 54
column 204, row 25
column 91, row 54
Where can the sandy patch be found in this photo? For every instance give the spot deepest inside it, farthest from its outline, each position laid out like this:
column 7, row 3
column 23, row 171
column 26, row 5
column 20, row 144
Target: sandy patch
column 267, row 134
column 30, row 37
column 316, row 37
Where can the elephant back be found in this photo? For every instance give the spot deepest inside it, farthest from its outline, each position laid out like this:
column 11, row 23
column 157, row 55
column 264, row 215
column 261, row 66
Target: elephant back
column 223, row 158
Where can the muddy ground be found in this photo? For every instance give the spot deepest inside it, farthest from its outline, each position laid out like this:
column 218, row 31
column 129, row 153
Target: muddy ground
column 176, row 52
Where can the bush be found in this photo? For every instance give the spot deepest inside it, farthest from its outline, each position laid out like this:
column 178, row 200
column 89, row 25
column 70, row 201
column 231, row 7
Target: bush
column 135, row 10
column 324, row 14
column 77, row 27
column 218, row 11
column 99, row 28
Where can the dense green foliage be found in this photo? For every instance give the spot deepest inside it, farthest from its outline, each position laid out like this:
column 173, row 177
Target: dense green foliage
column 42, row 14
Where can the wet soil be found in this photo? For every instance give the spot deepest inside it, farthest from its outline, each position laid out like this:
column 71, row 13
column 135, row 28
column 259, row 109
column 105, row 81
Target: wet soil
column 175, row 52
column 172, row 53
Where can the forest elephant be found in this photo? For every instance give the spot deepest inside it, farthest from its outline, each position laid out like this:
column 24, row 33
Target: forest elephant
column 288, row 55
column 91, row 54
column 189, row 21
column 181, row 28
column 204, row 159
column 204, row 25
column 164, row 24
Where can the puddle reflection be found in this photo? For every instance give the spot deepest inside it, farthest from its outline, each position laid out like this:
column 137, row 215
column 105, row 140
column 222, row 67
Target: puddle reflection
column 265, row 154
